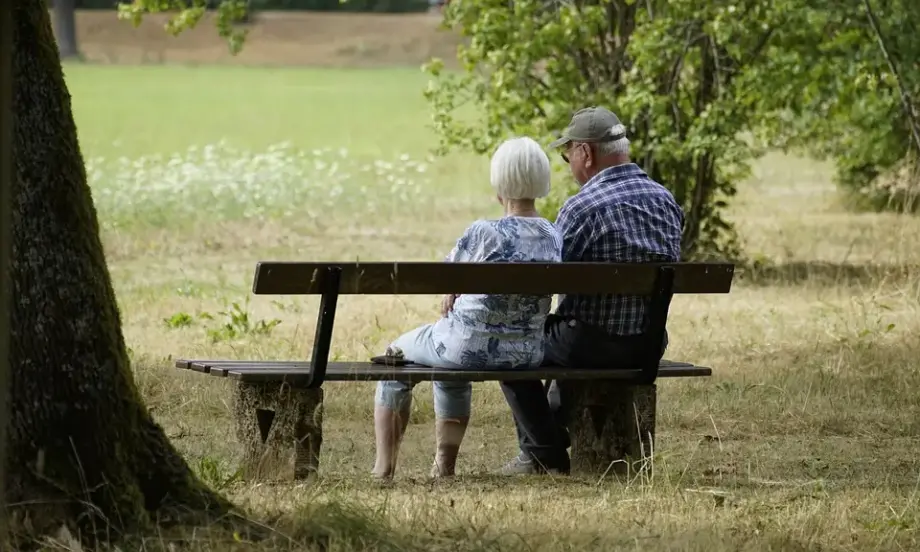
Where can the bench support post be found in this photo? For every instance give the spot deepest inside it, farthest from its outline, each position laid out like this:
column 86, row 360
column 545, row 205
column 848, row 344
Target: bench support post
column 656, row 320
column 322, row 340
column 280, row 429
column 612, row 427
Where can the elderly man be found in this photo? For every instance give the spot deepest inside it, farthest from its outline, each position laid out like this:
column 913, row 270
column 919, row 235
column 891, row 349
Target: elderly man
column 619, row 215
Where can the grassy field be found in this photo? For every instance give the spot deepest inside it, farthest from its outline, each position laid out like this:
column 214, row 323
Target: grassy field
column 806, row 438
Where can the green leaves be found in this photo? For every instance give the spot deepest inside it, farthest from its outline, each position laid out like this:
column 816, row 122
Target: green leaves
column 187, row 15
column 667, row 68
column 841, row 95
column 689, row 78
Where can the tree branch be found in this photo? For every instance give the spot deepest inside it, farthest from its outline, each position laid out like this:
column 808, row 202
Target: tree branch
column 906, row 101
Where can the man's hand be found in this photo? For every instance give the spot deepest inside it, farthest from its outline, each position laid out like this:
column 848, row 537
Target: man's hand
column 447, row 304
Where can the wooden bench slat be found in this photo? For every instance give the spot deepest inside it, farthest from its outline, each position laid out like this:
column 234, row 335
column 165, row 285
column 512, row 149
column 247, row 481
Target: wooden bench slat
column 296, row 371
column 424, row 278
column 421, row 373
column 205, row 366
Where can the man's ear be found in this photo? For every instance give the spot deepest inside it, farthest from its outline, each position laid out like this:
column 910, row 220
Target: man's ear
column 500, row 200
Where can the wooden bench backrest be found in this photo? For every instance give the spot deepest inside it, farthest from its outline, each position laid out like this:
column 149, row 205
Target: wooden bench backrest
column 423, row 278
column 658, row 281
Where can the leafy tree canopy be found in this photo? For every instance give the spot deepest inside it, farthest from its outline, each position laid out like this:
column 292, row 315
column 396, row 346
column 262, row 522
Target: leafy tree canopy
column 186, row 14
column 704, row 87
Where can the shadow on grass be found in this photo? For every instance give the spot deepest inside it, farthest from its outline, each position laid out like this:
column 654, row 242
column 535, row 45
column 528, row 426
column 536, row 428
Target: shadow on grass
column 827, row 274
column 346, row 526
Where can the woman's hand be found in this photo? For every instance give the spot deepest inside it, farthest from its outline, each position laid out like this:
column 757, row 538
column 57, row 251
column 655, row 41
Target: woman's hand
column 447, row 304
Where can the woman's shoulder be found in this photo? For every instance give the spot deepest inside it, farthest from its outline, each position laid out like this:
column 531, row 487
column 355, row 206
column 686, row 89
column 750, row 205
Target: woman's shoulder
column 480, row 227
column 530, row 222
column 501, row 226
column 476, row 236
column 516, row 227
column 544, row 227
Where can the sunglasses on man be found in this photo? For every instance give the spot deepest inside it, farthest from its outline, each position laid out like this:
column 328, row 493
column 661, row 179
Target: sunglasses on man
column 572, row 145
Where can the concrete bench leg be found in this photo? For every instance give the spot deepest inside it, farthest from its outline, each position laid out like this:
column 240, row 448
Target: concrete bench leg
column 612, row 427
column 280, row 429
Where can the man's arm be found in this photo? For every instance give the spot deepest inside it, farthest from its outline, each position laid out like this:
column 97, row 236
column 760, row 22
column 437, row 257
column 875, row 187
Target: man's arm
column 576, row 228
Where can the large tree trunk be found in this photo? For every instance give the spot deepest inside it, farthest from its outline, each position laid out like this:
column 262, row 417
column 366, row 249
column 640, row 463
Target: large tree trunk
column 83, row 450
column 6, row 215
column 65, row 28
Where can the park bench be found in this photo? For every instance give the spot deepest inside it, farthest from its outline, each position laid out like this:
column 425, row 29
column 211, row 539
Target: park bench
column 278, row 407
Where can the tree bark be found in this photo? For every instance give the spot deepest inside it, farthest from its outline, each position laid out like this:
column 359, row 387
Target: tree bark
column 612, row 428
column 65, row 28
column 83, row 450
column 6, row 216
column 281, row 430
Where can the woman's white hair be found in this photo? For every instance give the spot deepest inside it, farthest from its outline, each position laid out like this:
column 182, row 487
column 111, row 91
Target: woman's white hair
column 617, row 146
column 520, row 169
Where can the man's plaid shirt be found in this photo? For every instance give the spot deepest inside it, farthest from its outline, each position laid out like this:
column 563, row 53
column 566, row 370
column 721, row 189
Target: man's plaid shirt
column 619, row 216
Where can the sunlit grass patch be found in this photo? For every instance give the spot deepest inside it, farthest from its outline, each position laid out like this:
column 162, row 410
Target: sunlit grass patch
column 219, row 183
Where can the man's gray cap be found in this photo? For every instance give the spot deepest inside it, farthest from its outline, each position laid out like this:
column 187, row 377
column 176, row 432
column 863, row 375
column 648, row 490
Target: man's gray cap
column 591, row 125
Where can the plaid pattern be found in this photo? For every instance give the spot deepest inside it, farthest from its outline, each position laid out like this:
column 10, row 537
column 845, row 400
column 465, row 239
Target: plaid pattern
column 620, row 215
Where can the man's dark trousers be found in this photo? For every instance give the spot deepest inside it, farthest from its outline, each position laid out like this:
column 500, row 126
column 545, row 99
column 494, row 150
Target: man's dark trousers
column 541, row 412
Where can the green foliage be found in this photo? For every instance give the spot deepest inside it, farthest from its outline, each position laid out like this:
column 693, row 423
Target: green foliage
column 682, row 75
column 836, row 96
column 239, row 323
column 179, row 320
column 186, row 14
column 217, row 474
column 703, row 87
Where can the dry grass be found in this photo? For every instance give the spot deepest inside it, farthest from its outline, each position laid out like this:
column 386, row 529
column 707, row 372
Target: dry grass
column 806, row 438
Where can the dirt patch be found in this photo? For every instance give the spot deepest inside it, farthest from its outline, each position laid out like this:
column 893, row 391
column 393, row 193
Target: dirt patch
column 275, row 38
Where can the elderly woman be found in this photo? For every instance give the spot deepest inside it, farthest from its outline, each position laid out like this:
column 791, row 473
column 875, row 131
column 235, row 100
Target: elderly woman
column 477, row 332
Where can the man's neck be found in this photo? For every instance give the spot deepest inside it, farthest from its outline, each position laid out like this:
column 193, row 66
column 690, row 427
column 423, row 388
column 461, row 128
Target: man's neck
column 613, row 161
column 609, row 163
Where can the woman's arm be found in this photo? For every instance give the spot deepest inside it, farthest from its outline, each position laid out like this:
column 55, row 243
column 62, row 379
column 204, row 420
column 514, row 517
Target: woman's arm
column 466, row 250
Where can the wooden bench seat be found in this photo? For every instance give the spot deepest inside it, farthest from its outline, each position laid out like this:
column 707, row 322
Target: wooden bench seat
column 278, row 404
column 299, row 373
